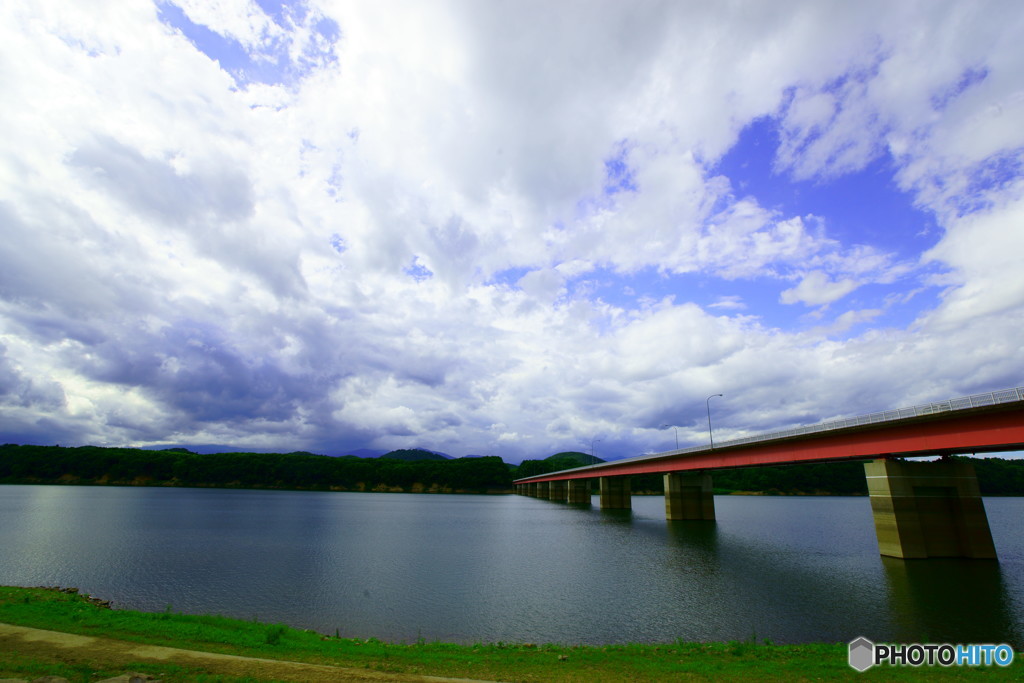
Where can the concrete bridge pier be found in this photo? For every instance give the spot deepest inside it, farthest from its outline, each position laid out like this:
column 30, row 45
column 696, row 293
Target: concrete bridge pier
column 543, row 489
column 928, row 509
column 615, row 493
column 579, row 491
column 557, row 491
column 689, row 496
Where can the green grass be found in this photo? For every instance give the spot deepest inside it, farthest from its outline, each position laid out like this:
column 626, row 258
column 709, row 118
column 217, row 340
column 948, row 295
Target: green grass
column 679, row 661
column 13, row 665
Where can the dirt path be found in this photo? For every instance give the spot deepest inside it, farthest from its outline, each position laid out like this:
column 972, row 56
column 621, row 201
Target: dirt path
column 111, row 653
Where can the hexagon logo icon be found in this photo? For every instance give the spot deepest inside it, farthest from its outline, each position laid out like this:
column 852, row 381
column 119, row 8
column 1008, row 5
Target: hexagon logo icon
column 862, row 654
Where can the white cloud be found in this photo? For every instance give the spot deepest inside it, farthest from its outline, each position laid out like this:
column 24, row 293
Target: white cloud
column 190, row 257
column 545, row 285
column 816, row 289
column 984, row 251
column 848, row 320
column 731, row 302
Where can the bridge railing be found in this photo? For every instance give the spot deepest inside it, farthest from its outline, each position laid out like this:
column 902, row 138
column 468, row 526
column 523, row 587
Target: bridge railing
column 963, row 403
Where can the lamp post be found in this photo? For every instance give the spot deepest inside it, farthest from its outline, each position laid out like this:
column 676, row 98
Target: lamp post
column 708, row 404
column 592, row 442
column 677, row 433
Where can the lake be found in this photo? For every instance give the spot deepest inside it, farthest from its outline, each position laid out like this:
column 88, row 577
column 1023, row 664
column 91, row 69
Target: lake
column 470, row 569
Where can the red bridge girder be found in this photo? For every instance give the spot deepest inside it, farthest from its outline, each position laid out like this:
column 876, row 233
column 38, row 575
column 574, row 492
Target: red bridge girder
column 975, row 430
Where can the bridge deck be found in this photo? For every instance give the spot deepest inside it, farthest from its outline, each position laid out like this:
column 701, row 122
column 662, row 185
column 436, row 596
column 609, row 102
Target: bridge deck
column 993, row 426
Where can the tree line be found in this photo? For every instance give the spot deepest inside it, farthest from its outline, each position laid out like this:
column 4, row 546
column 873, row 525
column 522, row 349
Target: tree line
column 307, row 471
column 299, row 470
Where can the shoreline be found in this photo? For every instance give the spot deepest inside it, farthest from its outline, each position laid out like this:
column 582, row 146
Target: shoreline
column 399, row 490
column 229, row 487
column 198, row 646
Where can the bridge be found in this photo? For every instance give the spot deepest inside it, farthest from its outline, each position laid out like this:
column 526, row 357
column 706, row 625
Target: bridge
column 921, row 509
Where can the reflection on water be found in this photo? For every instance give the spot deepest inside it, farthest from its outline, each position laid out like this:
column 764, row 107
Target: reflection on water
column 511, row 568
column 694, row 549
column 950, row 600
column 622, row 517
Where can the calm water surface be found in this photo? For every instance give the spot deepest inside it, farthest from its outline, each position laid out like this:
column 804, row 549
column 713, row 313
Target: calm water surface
column 511, row 568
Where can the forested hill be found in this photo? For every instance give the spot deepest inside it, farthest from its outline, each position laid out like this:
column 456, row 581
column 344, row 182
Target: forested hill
column 554, row 463
column 302, row 471
column 414, row 454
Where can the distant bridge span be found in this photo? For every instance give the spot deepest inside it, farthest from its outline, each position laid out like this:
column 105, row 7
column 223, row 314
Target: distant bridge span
column 921, row 509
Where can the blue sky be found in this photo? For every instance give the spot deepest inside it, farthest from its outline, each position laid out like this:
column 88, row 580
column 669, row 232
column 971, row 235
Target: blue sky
column 506, row 229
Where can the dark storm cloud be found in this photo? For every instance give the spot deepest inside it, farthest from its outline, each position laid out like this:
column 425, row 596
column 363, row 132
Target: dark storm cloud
column 153, row 187
column 194, row 368
column 208, row 204
column 48, row 267
column 20, row 390
column 40, row 431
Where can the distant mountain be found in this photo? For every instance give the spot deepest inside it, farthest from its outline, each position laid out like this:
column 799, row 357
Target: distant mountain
column 202, row 448
column 569, row 459
column 366, row 452
column 415, row 454
column 441, row 453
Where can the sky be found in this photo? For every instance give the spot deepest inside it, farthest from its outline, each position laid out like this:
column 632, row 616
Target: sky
column 502, row 228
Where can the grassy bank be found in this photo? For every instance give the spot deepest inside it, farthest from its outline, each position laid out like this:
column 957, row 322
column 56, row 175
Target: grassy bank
column 73, row 613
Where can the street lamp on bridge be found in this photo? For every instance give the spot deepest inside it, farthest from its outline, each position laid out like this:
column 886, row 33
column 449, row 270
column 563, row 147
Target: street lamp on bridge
column 593, row 460
column 708, row 404
column 677, row 433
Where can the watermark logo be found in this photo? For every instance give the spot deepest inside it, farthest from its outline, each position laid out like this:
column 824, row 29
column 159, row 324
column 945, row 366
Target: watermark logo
column 864, row 654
